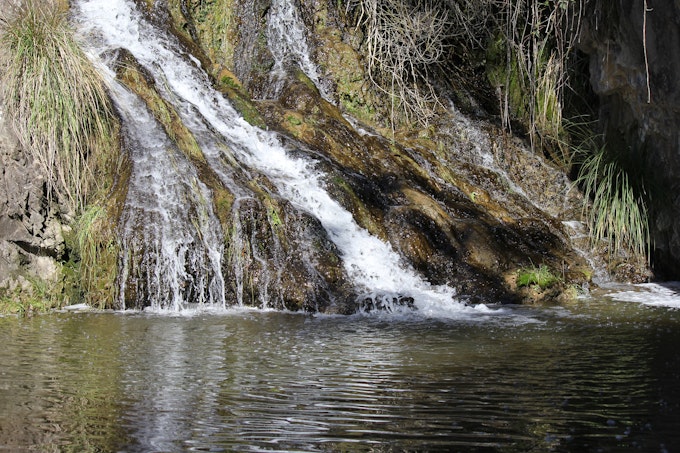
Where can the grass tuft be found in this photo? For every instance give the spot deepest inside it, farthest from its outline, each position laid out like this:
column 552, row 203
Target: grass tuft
column 55, row 98
column 40, row 297
column 97, row 248
column 541, row 276
column 615, row 206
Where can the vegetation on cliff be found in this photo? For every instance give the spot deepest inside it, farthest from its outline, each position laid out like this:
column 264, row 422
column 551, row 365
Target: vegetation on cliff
column 523, row 56
column 525, row 47
column 64, row 120
column 56, row 100
column 618, row 214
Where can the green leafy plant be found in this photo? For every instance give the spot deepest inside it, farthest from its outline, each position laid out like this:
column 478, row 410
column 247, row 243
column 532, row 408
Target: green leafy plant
column 40, row 297
column 614, row 204
column 55, row 98
column 541, row 276
column 11, row 303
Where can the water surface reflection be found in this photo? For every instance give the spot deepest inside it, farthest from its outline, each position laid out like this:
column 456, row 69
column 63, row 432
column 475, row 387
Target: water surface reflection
column 600, row 376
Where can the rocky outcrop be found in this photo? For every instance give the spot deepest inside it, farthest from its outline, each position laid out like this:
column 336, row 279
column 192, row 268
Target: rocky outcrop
column 461, row 202
column 31, row 240
column 634, row 49
column 456, row 221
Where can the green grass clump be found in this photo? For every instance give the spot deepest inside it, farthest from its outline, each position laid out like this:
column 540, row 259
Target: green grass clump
column 41, row 297
column 541, row 276
column 55, row 98
column 615, row 206
column 96, row 249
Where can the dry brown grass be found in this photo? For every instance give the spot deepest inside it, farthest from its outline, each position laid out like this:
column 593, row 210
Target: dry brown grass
column 55, row 98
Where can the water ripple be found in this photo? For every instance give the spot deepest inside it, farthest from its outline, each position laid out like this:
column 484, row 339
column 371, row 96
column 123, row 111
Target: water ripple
column 281, row 382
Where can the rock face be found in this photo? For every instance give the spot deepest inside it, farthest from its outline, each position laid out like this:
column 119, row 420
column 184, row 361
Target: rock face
column 461, row 203
column 30, row 235
column 464, row 204
column 634, row 67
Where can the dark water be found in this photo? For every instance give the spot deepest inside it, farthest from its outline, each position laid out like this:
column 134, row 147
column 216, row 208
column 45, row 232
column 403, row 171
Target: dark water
column 598, row 376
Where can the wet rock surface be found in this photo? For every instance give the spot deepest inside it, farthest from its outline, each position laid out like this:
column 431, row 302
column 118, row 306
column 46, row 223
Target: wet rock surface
column 458, row 223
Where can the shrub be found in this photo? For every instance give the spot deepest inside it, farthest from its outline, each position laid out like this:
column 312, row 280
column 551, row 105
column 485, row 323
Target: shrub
column 55, row 98
column 535, row 40
column 405, row 41
column 408, row 41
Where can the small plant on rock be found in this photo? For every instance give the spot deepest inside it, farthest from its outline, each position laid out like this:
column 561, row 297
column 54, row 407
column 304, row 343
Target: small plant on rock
column 540, row 276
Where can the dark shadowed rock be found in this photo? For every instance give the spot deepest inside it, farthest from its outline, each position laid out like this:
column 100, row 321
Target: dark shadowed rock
column 634, row 70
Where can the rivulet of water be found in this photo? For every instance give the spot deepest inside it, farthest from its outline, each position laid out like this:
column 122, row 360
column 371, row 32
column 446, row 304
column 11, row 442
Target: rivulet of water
column 171, row 240
column 287, row 40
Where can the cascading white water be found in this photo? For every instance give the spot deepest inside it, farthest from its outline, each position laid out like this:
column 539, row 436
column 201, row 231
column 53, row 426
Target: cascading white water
column 287, row 40
column 168, row 215
column 376, row 270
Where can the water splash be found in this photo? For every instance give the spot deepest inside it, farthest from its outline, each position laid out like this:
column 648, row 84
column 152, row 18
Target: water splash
column 375, row 268
column 665, row 294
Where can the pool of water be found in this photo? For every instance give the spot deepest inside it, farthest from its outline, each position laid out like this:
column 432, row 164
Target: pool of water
column 599, row 375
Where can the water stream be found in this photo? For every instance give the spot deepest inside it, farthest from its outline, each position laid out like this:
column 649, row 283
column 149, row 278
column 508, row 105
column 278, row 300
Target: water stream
column 287, row 40
column 373, row 266
column 168, row 219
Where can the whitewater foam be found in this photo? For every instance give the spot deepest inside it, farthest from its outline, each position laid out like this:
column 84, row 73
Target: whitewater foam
column 652, row 294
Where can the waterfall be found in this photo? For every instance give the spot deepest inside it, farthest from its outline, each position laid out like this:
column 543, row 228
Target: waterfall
column 374, row 267
column 287, row 40
column 168, row 218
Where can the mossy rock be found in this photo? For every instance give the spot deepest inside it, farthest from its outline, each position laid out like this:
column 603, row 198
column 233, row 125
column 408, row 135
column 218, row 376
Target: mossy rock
column 139, row 81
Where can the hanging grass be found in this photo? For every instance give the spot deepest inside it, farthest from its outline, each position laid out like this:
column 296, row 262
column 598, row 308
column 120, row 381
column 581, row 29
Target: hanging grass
column 55, row 98
column 614, row 206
